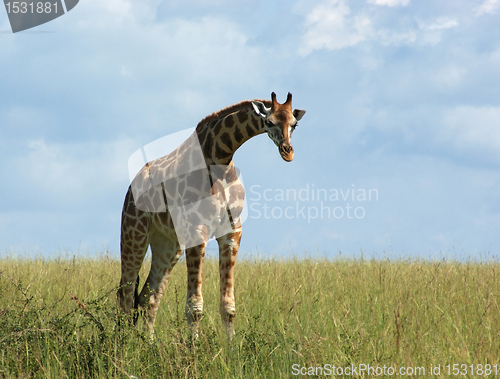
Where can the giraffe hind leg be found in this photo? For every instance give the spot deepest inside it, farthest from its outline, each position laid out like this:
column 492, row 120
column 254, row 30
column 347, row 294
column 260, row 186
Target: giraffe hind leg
column 164, row 255
column 136, row 300
column 134, row 242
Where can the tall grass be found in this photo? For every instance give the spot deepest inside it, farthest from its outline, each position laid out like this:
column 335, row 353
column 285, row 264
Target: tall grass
column 58, row 318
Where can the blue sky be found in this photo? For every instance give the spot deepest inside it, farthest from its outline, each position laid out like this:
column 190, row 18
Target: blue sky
column 402, row 97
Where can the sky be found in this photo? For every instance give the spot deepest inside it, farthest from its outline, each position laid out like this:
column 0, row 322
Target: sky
column 397, row 156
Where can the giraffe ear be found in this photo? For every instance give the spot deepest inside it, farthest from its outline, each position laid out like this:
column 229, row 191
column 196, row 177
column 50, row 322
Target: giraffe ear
column 260, row 109
column 298, row 113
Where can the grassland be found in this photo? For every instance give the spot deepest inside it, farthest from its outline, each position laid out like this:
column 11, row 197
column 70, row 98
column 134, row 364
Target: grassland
column 58, row 319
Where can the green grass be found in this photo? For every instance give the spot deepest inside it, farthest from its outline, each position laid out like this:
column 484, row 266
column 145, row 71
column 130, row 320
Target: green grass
column 58, row 318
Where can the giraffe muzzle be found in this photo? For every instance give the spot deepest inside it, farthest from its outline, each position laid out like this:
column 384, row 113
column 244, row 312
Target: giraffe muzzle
column 286, row 152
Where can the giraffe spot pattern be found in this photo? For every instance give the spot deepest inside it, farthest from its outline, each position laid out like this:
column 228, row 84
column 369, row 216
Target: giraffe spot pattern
column 225, row 138
column 238, row 136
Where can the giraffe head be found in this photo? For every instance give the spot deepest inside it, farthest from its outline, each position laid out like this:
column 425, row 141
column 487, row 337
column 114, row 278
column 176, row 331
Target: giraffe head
column 279, row 122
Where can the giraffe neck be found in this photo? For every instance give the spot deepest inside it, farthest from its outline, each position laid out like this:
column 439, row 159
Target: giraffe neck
column 220, row 136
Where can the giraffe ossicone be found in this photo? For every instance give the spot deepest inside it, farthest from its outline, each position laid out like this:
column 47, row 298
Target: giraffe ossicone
column 194, row 193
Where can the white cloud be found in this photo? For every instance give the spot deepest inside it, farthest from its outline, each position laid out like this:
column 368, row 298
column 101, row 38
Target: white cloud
column 390, row 3
column 126, row 72
column 439, row 23
column 105, row 14
column 473, row 129
column 450, row 77
column 119, row 74
column 488, row 7
column 431, row 32
column 74, row 173
column 331, row 27
column 201, row 50
column 388, row 37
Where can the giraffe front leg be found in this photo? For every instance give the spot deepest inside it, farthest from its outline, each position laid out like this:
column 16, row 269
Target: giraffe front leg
column 228, row 250
column 194, row 299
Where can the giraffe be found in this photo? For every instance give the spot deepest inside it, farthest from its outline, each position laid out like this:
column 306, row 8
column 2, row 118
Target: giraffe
column 180, row 201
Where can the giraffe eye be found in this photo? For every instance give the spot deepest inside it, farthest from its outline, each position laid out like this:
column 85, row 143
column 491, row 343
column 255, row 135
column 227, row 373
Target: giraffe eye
column 269, row 124
column 294, row 126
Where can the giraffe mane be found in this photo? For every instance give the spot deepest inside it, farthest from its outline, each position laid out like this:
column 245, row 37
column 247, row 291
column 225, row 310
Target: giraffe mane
column 228, row 110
